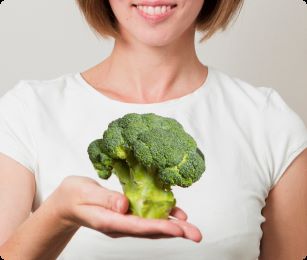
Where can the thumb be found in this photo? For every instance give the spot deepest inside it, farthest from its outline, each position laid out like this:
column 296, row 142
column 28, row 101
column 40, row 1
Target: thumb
column 95, row 194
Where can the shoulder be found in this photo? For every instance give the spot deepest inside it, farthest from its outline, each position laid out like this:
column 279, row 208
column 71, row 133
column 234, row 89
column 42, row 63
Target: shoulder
column 266, row 101
column 238, row 93
column 30, row 90
column 42, row 86
column 245, row 98
column 274, row 129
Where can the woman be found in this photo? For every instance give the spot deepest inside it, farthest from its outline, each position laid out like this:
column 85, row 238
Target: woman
column 253, row 142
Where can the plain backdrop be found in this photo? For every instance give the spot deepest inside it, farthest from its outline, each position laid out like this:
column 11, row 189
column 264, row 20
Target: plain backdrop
column 266, row 45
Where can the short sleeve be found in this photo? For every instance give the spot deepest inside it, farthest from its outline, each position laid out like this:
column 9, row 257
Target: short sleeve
column 285, row 135
column 16, row 140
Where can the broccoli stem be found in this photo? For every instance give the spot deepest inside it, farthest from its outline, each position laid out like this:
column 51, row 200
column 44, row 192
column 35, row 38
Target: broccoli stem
column 147, row 197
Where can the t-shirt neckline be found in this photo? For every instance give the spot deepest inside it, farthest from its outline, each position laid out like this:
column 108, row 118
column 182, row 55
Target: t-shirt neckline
column 189, row 98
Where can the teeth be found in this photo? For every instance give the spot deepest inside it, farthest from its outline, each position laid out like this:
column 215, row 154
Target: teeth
column 153, row 10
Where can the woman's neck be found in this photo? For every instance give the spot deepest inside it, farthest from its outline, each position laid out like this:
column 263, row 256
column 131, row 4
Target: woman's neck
column 138, row 73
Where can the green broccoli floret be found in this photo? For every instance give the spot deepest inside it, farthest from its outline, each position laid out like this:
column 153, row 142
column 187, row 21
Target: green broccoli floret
column 149, row 154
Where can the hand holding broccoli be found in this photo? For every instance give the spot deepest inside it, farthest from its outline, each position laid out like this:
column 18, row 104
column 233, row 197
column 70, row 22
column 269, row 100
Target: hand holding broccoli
column 81, row 201
column 149, row 154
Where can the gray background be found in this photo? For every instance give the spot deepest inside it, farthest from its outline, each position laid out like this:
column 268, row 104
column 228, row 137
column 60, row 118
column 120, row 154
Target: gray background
column 266, row 46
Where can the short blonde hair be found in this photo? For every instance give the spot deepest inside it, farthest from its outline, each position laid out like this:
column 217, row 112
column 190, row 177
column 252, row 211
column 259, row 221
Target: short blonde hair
column 214, row 15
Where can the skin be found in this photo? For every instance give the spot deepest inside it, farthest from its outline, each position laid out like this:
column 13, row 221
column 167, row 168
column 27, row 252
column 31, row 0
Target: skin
column 285, row 228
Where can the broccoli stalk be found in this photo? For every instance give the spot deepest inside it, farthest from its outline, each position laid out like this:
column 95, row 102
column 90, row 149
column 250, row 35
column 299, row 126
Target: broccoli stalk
column 146, row 194
column 149, row 154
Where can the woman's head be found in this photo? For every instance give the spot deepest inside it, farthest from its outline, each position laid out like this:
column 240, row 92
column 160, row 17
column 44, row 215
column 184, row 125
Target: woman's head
column 118, row 17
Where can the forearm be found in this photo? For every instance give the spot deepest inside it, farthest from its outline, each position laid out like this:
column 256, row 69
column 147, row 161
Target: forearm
column 42, row 236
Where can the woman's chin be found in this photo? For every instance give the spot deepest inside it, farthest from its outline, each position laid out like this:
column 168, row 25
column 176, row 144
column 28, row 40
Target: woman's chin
column 155, row 40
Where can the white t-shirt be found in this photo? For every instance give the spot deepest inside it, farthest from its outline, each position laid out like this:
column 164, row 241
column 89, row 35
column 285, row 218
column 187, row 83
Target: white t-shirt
column 248, row 136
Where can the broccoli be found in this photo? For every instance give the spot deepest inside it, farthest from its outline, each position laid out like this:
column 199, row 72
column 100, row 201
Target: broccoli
column 149, row 154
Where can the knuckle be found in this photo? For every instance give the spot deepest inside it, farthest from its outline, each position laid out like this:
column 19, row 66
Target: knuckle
column 68, row 190
column 67, row 183
column 83, row 192
column 77, row 185
column 63, row 187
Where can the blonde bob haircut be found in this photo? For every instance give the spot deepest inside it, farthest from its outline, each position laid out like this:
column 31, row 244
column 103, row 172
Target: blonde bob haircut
column 215, row 15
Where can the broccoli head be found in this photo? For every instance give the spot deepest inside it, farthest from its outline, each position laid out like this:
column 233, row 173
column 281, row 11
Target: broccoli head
column 149, row 154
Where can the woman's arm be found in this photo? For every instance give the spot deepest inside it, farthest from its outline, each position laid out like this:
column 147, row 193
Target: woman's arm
column 21, row 236
column 42, row 236
column 285, row 228
column 17, row 189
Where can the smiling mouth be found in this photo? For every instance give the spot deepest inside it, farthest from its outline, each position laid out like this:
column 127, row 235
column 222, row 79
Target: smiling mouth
column 155, row 12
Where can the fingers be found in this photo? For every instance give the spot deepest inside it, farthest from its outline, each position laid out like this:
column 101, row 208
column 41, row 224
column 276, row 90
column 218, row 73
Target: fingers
column 108, row 221
column 179, row 213
column 190, row 231
column 116, row 225
column 141, row 226
column 94, row 194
